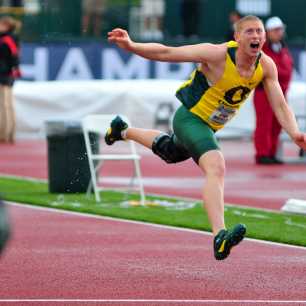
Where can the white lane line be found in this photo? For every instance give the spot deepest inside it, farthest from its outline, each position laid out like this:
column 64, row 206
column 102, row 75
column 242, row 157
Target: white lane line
column 61, row 211
column 278, row 302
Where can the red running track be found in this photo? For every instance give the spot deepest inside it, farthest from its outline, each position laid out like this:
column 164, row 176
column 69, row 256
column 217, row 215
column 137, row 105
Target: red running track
column 66, row 256
column 245, row 184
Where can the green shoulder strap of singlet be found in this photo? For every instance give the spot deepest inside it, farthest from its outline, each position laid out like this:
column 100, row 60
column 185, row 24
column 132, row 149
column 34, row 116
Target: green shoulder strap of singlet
column 232, row 53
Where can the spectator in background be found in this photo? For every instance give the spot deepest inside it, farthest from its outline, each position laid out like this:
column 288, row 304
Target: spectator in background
column 92, row 11
column 153, row 14
column 268, row 129
column 17, row 3
column 234, row 16
column 4, row 227
column 9, row 71
column 190, row 10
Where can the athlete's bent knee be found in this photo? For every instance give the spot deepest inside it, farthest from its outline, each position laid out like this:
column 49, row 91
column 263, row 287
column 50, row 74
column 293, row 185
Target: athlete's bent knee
column 213, row 163
column 164, row 146
column 160, row 147
column 217, row 170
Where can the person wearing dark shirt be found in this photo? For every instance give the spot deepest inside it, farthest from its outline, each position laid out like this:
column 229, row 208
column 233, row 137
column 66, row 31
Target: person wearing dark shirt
column 234, row 16
column 17, row 3
column 268, row 129
column 9, row 71
column 4, row 227
column 190, row 17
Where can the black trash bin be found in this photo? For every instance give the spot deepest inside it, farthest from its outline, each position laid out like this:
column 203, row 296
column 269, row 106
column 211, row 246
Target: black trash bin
column 68, row 168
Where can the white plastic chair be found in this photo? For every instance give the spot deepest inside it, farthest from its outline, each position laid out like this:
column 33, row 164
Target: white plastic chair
column 99, row 124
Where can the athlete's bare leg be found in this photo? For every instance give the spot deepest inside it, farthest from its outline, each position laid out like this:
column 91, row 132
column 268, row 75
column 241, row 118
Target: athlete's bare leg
column 142, row 136
column 213, row 165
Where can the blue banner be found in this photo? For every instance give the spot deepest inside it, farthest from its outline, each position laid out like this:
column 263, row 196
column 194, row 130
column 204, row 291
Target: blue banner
column 86, row 61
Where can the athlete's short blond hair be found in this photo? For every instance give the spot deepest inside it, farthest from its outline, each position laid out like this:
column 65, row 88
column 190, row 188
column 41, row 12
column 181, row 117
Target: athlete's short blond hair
column 239, row 24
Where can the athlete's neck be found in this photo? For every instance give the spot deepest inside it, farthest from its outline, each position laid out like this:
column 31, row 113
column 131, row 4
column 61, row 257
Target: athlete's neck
column 244, row 60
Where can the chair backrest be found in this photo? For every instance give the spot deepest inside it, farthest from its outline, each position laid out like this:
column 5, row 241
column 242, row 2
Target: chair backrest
column 99, row 123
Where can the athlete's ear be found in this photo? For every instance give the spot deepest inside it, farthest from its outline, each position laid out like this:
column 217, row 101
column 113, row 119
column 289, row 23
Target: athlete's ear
column 237, row 36
column 265, row 36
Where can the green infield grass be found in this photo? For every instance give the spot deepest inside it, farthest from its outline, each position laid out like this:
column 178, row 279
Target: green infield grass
column 261, row 224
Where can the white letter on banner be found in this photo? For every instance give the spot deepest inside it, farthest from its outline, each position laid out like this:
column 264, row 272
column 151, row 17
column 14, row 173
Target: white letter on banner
column 114, row 67
column 75, row 66
column 302, row 66
column 182, row 72
column 38, row 71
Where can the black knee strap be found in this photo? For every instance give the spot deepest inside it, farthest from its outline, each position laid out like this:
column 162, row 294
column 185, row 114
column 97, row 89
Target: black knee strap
column 165, row 147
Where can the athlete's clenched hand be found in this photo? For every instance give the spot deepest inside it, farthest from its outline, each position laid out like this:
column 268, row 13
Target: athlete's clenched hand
column 300, row 140
column 120, row 37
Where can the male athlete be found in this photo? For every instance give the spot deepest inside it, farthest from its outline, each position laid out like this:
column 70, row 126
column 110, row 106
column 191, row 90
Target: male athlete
column 226, row 75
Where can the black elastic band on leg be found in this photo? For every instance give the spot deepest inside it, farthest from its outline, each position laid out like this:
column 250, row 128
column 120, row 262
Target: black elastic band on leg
column 165, row 147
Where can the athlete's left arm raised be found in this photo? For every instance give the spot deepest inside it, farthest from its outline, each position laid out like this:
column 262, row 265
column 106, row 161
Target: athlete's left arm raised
column 282, row 110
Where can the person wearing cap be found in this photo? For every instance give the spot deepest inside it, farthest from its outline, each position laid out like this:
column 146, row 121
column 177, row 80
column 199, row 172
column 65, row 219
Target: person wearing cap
column 268, row 129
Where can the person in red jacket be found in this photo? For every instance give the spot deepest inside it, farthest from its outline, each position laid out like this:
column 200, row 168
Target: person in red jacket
column 9, row 71
column 268, row 129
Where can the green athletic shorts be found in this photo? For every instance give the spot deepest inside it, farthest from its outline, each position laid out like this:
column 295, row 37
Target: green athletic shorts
column 196, row 136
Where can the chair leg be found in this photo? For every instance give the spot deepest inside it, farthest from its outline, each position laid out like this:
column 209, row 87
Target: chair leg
column 89, row 188
column 140, row 182
column 96, row 176
column 93, row 172
column 95, row 187
column 132, row 180
column 93, row 180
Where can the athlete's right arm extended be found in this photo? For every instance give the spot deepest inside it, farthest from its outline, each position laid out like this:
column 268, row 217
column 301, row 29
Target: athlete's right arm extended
column 282, row 110
column 154, row 51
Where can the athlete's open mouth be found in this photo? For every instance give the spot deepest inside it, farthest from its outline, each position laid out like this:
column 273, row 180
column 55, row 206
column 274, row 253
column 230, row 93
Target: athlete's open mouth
column 254, row 45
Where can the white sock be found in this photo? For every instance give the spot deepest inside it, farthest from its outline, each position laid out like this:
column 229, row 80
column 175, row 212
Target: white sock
column 123, row 134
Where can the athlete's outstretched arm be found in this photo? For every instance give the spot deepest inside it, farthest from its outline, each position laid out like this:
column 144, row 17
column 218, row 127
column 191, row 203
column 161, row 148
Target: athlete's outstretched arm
column 282, row 110
column 154, row 51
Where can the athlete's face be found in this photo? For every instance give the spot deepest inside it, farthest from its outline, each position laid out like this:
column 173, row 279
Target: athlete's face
column 251, row 37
